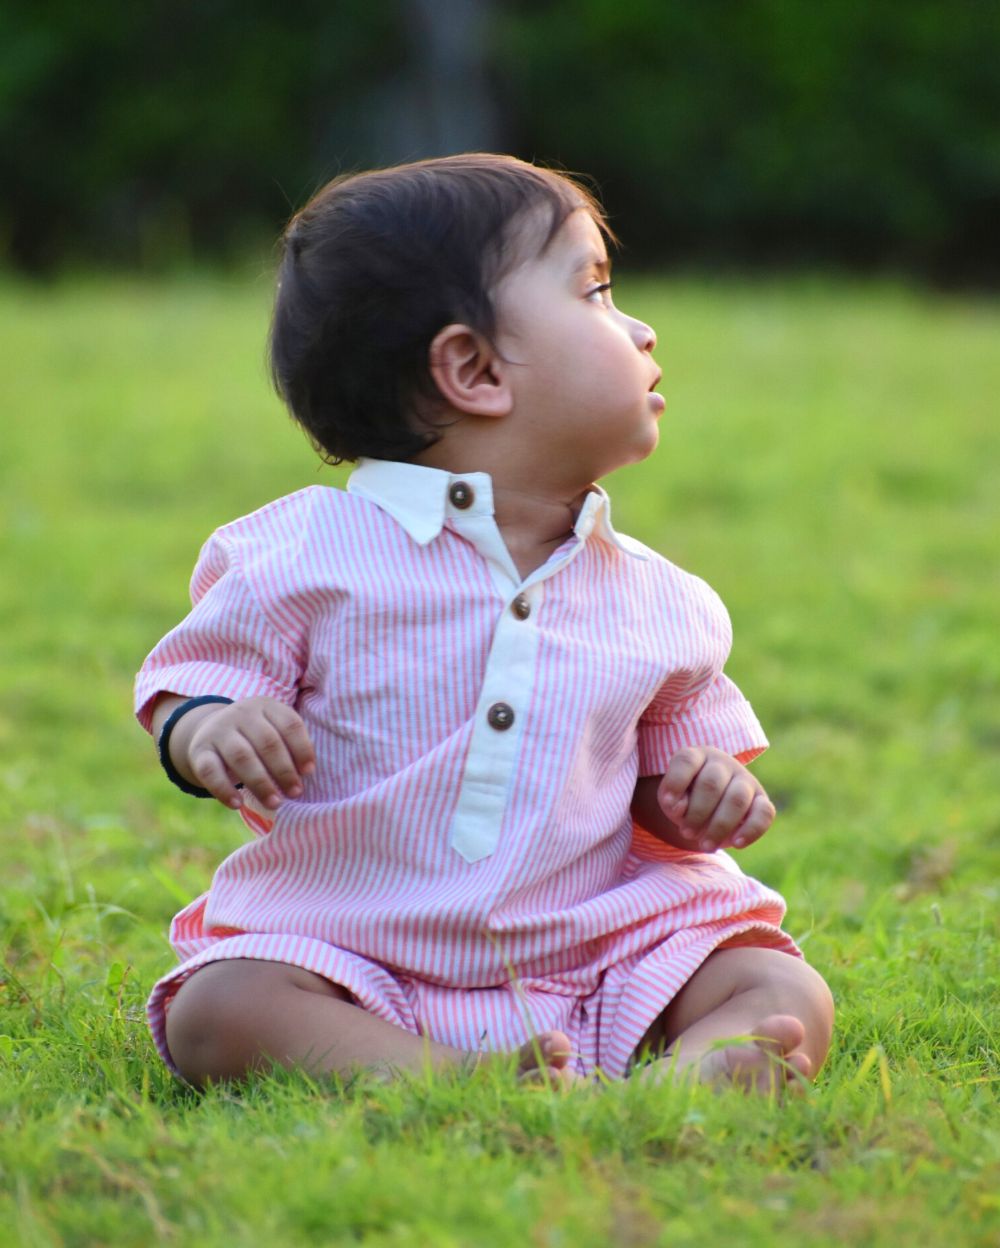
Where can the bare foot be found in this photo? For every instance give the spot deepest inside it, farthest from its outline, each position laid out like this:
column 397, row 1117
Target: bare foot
column 772, row 1063
column 545, row 1059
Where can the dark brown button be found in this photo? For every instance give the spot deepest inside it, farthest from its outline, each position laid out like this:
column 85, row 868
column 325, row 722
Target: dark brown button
column 521, row 607
column 500, row 716
column 461, row 495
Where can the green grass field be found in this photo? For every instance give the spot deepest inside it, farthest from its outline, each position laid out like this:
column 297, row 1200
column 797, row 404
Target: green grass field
column 829, row 463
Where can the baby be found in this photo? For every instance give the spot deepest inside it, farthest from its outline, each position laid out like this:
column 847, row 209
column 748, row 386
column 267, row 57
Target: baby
column 485, row 741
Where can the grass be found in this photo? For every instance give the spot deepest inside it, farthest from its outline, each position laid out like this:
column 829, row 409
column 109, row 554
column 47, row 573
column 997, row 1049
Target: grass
column 829, row 464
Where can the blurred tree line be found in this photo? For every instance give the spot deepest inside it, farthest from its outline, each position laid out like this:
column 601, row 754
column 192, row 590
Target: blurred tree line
column 746, row 132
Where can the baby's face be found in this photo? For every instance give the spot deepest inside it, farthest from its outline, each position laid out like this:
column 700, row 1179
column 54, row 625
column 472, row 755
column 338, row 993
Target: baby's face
column 584, row 372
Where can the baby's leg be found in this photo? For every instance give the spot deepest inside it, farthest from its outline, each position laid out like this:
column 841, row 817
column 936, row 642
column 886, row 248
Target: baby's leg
column 778, row 1000
column 232, row 1017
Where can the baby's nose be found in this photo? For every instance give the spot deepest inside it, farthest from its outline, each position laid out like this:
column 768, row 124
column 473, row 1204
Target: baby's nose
column 643, row 335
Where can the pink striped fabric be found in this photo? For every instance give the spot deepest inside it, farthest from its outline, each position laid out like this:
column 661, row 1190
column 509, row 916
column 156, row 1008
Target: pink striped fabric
column 465, row 876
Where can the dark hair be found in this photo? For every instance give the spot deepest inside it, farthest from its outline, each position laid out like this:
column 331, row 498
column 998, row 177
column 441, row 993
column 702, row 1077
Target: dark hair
column 375, row 265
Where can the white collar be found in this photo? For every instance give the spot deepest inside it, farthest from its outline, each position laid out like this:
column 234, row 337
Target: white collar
column 419, row 499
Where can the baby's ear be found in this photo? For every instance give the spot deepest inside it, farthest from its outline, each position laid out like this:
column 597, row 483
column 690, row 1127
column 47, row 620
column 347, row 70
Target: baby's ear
column 468, row 372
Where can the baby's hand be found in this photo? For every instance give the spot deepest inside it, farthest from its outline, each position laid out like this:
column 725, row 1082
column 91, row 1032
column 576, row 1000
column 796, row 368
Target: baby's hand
column 258, row 742
column 713, row 800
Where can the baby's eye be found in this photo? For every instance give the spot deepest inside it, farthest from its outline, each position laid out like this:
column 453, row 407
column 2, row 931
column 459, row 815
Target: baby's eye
column 601, row 293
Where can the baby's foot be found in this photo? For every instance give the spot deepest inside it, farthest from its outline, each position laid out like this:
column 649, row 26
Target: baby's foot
column 773, row 1062
column 545, row 1059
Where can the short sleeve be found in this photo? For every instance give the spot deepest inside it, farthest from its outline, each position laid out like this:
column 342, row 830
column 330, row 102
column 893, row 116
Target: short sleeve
column 698, row 705
column 226, row 645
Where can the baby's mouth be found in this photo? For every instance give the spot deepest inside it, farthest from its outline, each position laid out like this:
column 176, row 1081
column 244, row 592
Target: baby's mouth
column 657, row 401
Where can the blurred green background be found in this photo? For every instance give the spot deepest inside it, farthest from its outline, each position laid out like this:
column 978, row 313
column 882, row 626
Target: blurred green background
column 799, row 179
column 741, row 133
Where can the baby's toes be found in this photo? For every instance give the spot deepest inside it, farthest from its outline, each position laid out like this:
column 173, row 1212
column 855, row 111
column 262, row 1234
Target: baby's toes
column 551, row 1049
column 558, row 1078
column 779, row 1034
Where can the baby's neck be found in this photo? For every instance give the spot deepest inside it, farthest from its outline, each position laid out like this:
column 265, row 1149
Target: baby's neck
column 533, row 525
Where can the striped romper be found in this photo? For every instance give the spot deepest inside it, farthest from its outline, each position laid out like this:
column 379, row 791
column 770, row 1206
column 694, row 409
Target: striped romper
column 463, row 860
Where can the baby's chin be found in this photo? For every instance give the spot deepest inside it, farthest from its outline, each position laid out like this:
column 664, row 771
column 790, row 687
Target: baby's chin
column 648, row 445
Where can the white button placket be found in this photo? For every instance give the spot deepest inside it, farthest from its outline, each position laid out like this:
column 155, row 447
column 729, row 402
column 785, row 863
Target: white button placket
column 507, row 683
column 496, row 735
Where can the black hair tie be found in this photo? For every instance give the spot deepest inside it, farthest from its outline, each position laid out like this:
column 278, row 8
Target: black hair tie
column 163, row 745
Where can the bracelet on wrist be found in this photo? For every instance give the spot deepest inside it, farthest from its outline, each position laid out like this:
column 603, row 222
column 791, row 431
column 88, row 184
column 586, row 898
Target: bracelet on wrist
column 163, row 745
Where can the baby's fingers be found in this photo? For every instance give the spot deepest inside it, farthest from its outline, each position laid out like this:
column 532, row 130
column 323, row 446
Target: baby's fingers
column 758, row 820
column 289, row 726
column 280, row 773
column 213, row 774
column 728, row 814
column 225, row 759
column 681, row 770
column 244, row 759
column 706, row 799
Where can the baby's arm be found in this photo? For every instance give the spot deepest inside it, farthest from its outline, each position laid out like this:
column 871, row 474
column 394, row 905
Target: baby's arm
column 704, row 801
column 258, row 742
